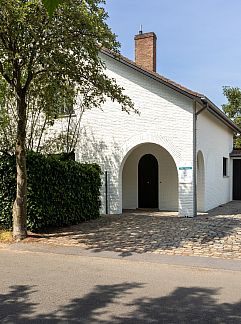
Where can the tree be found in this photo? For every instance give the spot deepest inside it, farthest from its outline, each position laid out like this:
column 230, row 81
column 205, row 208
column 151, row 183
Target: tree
column 7, row 137
column 50, row 58
column 40, row 118
column 41, row 133
column 233, row 109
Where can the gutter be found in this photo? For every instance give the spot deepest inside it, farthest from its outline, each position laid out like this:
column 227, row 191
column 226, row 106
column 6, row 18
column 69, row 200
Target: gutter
column 194, row 158
column 213, row 109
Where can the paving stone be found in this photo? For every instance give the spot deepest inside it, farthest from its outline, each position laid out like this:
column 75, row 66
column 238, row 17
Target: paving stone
column 216, row 234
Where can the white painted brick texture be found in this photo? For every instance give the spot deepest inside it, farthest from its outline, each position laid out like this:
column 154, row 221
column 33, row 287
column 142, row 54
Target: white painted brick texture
column 215, row 141
column 109, row 134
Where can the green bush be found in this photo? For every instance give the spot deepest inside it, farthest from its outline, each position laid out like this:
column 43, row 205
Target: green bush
column 60, row 192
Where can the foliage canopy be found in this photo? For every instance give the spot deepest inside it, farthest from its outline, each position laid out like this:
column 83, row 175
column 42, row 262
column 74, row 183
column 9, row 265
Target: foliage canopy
column 51, row 60
column 57, row 53
column 60, row 191
column 51, row 5
column 233, row 109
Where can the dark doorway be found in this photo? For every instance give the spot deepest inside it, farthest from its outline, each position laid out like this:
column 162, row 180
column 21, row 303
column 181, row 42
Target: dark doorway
column 236, row 179
column 148, row 182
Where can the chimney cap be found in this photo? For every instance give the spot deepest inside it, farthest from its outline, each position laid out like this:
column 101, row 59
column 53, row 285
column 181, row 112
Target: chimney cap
column 145, row 35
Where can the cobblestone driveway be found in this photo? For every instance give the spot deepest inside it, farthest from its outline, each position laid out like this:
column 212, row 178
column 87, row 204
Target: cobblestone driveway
column 216, row 234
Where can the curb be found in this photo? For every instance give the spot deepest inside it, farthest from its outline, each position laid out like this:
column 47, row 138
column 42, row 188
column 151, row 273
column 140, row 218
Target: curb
column 176, row 260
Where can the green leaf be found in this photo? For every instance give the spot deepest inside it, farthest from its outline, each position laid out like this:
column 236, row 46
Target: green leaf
column 65, row 192
column 233, row 109
column 51, row 5
column 49, row 64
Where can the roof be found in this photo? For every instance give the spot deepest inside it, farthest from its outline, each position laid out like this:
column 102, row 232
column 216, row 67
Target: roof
column 235, row 153
column 202, row 99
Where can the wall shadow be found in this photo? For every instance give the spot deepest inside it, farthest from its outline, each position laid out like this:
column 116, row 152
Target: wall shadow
column 182, row 305
column 231, row 208
column 95, row 150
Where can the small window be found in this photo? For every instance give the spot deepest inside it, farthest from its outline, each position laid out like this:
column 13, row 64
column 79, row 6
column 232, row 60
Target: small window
column 225, row 167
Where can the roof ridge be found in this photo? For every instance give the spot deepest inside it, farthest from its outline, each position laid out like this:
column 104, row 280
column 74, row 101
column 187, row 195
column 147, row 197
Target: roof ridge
column 163, row 78
column 178, row 87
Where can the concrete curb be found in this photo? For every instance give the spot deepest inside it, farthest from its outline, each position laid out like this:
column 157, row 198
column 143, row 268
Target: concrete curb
column 186, row 261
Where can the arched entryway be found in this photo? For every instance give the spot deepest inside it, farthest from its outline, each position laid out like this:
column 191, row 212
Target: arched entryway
column 200, row 182
column 157, row 163
column 148, row 182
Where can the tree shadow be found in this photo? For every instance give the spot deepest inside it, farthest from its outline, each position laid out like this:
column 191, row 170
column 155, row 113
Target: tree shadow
column 95, row 305
column 16, row 305
column 183, row 305
column 96, row 150
column 141, row 232
column 107, row 304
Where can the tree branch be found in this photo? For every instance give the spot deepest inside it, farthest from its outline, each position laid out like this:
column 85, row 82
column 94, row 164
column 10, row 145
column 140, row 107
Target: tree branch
column 6, row 77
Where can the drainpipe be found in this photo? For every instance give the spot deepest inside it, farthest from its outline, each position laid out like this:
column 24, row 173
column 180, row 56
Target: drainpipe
column 106, row 193
column 195, row 115
column 194, row 158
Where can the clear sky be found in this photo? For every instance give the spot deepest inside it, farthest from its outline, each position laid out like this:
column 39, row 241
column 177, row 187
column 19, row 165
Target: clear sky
column 198, row 41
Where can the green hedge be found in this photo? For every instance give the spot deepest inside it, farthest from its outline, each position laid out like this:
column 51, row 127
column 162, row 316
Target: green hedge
column 60, row 192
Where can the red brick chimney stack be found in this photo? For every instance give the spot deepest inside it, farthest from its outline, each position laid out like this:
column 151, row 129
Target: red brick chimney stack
column 145, row 50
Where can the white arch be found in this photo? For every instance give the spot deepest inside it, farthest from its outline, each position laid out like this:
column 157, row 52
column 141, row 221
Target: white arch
column 154, row 138
column 135, row 141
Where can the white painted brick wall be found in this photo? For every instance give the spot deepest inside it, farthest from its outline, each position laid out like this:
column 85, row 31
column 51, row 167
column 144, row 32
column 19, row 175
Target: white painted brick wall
column 165, row 118
column 108, row 137
column 215, row 141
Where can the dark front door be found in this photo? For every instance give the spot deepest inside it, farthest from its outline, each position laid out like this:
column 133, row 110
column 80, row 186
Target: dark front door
column 148, row 182
column 237, row 179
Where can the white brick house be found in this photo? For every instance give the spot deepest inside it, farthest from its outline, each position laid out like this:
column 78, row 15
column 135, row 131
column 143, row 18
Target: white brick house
column 170, row 156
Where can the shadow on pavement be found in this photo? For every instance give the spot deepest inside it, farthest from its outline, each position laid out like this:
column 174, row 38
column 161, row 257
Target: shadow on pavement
column 183, row 305
column 141, row 232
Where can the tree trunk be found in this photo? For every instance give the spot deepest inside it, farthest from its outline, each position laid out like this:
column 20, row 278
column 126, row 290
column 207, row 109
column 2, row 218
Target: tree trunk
column 20, row 204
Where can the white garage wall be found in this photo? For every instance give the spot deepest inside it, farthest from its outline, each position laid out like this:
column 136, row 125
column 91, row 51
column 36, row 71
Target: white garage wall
column 215, row 141
column 200, row 183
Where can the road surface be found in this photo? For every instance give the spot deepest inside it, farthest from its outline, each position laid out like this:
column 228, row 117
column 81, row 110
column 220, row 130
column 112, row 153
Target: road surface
column 43, row 287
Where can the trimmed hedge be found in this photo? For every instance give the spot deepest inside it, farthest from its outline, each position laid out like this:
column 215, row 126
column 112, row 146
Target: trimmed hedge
column 60, row 192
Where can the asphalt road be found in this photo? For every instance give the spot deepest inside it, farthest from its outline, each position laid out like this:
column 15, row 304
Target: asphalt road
column 37, row 287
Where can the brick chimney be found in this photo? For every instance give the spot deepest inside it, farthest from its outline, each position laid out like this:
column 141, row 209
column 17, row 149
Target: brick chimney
column 145, row 50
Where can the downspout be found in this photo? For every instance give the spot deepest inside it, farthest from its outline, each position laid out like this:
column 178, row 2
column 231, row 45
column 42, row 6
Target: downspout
column 194, row 158
column 106, row 193
column 195, row 115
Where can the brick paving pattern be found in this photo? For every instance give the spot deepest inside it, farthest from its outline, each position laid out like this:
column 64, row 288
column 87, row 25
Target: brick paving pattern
column 213, row 234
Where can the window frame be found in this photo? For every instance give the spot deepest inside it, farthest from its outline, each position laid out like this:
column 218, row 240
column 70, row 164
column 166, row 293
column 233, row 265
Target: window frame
column 225, row 167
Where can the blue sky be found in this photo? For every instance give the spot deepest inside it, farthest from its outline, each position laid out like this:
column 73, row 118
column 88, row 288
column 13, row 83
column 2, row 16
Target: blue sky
column 198, row 41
